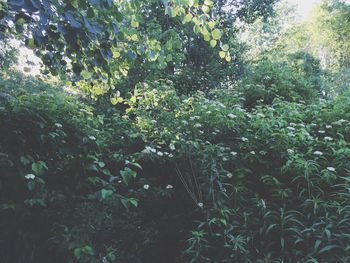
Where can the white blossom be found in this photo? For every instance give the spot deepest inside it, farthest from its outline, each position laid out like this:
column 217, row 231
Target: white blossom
column 160, row 153
column 184, row 122
column 328, row 126
column 233, row 153
column 244, row 139
column 231, row 116
column 198, row 125
column 169, row 186
column 321, row 131
column 172, row 146
column 92, row 137
column 327, row 138
column 318, row 153
column 200, row 205
column 146, row 186
column 30, row 176
column 146, row 150
column 229, row 175
column 153, row 150
column 331, row 169
column 290, row 151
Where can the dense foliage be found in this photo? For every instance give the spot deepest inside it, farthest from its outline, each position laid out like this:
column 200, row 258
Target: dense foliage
column 172, row 139
column 257, row 186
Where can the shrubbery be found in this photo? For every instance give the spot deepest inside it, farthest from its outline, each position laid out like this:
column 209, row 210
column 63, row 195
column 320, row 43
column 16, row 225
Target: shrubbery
column 173, row 179
column 293, row 81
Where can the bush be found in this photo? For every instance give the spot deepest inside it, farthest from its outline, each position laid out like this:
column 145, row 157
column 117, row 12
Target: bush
column 205, row 180
column 269, row 80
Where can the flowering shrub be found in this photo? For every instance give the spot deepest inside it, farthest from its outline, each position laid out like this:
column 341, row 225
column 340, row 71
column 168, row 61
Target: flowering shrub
column 270, row 185
column 174, row 179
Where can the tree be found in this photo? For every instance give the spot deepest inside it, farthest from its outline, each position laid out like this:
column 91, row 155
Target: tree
column 102, row 40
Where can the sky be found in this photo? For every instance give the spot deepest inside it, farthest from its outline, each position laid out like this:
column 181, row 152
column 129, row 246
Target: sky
column 304, row 7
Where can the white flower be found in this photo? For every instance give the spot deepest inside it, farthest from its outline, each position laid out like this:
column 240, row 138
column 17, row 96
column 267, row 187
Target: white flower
column 292, row 124
column 233, row 153
column 252, row 152
column 224, row 159
column 200, row 205
column 92, row 137
column 208, row 112
column 321, row 131
column 231, row 116
column 332, row 169
column 328, row 138
column 146, row 150
column 153, row 121
column 318, row 153
column 153, row 150
column 169, row 186
column 328, row 126
column 58, row 125
column 171, row 155
column 290, row 151
column 146, row 186
column 30, row 176
column 340, row 122
column 160, row 153
column 229, row 175
column 198, row 125
column 172, row 146
column 244, row 139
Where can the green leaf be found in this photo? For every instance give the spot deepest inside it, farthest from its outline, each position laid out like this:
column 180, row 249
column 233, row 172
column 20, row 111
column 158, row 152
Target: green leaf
column 188, row 18
column 216, row 34
column 205, row 9
column 31, row 43
column 105, row 193
column 211, row 24
column 38, row 167
column 77, row 253
column 225, row 47
column 129, row 201
column 127, row 174
column 101, row 164
column 135, row 24
column 85, row 74
column 222, row 54
column 88, row 250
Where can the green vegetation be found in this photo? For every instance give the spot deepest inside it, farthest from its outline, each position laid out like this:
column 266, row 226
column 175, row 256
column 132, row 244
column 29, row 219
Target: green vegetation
column 201, row 147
